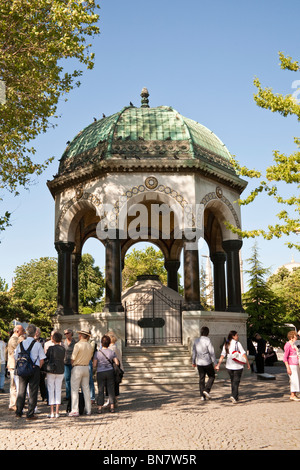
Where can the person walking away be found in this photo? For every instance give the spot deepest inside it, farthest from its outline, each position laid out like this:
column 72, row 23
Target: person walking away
column 37, row 356
column 3, row 346
column 291, row 360
column 68, row 344
column 260, row 353
column 13, row 342
column 113, row 346
column 43, row 388
column 91, row 383
column 80, row 375
column 203, row 357
column 234, row 368
column 56, row 357
column 105, row 373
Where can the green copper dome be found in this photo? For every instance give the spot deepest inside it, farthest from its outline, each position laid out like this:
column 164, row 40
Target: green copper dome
column 141, row 134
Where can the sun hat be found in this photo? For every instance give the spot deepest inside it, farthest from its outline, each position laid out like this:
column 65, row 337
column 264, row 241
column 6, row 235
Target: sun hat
column 85, row 332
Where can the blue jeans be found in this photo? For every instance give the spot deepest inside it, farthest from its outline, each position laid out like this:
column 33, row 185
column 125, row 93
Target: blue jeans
column 92, row 385
column 2, row 375
column 68, row 369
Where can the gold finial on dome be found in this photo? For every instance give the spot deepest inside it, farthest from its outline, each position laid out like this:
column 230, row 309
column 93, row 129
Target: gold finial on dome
column 145, row 101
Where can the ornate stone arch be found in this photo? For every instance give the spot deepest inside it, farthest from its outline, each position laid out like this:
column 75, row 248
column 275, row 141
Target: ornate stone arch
column 71, row 213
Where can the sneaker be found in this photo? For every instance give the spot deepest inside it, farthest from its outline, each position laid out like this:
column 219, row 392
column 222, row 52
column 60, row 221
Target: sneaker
column 56, row 415
column 202, row 398
column 295, row 398
column 50, row 416
column 207, row 395
column 233, row 400
column 73, row 414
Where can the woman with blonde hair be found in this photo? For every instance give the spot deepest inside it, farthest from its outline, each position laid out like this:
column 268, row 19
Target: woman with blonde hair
column 291, row 360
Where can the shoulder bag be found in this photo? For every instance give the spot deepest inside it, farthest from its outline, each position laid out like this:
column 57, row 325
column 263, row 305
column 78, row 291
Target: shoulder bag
column 118, row 372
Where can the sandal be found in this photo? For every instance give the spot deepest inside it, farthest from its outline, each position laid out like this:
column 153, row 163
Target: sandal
column 99, row 411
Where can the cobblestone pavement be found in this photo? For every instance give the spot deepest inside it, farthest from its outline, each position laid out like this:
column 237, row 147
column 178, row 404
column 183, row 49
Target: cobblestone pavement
column 168, row 418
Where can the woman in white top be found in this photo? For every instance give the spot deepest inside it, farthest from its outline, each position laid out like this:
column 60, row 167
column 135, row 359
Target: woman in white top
column 234, row 368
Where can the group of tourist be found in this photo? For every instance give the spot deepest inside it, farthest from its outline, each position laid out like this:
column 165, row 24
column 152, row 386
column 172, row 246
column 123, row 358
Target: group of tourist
column 203, row 357
column 62, row 359
column 75, row 362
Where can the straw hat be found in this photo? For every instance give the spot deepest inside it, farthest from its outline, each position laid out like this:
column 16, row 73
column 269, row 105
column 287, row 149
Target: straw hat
column 84, row 332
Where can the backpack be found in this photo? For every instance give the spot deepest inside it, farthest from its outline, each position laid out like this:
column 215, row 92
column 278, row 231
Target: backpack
column 24, row 364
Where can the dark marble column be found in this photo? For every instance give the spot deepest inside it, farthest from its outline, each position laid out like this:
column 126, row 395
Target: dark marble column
column 218, row 259
column 64, row 280
column 191, row 278
column 232, row 248
column 172, row 267
column 76, row 258
column 113, row 275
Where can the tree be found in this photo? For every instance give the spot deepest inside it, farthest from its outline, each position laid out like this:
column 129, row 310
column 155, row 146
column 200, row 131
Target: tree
column 36, row 282
column 35, row 37
column 91, row 283
column 3, row 285
column 138, row 262
column 286, row 284
column 285, row 169
column 265, row 309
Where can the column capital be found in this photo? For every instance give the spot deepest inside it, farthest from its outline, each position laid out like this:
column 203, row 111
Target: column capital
column 64, row 247
column 232, row 245
column 172, row 264
column 218, row 257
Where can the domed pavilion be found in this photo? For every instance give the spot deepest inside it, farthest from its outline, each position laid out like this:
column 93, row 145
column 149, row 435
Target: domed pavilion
column 153, row 175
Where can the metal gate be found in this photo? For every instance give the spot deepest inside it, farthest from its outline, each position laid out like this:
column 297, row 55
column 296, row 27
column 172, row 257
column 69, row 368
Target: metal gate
column 153, row 318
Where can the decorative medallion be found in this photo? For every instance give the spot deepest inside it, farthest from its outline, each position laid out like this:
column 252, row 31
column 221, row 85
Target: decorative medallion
column 151, row 182
column 79, row 192
column 219, row 192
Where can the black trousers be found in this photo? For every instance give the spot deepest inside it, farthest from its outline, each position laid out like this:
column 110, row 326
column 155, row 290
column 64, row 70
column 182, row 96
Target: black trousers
column 235, row 377
column 210, row 372
column 106, row 381
column 33, row 382
column 260, row 363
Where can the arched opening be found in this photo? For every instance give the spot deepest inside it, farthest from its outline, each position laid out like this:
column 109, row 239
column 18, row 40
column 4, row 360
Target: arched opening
column 224, row 250
column 91, row 277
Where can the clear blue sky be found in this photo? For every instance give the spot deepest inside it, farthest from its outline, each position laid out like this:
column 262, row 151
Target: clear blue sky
column 200, row 57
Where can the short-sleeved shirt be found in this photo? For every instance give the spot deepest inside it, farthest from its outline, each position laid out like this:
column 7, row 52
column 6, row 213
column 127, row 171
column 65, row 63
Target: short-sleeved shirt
column 102, row 363
column 37, row 352
column 82, row 353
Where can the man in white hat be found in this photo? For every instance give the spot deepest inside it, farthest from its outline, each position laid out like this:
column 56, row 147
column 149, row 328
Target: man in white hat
column 80, row 375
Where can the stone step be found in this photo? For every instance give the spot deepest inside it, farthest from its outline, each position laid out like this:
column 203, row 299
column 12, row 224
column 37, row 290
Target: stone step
column 171, row 362
column 148, row 365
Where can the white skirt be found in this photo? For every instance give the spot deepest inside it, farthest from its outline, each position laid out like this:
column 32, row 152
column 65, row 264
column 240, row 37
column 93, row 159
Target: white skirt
column 295, row 379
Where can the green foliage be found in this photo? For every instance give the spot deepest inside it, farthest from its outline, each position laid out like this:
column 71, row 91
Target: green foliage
column 286, row 284
column 36, row 37
column 138, row 262
column 264, row 307
column 36, row 281
column 91, row 284
column 285, row 169
column 33, row 297
column 3, row 285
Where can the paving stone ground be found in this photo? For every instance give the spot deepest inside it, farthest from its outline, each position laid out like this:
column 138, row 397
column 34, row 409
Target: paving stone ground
column 168, row 418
